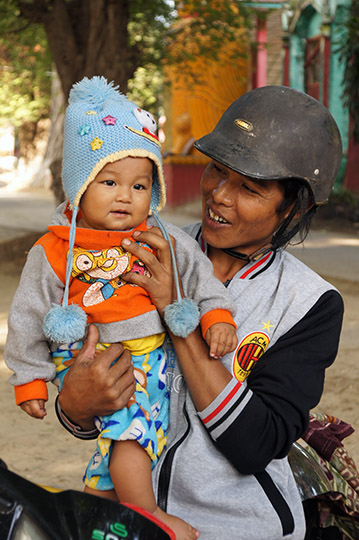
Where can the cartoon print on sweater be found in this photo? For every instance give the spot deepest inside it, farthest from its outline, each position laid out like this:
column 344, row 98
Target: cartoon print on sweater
column 102, row 270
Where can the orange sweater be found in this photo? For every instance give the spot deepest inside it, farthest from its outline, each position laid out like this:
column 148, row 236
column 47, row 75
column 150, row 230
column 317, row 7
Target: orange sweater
column 98, row 262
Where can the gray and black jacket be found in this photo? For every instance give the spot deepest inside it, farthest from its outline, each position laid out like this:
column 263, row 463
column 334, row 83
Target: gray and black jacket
column 225, row 469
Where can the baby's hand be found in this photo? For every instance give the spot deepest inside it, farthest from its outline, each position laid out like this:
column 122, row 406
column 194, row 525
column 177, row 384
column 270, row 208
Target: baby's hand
column 35, row 408
column 221, row 339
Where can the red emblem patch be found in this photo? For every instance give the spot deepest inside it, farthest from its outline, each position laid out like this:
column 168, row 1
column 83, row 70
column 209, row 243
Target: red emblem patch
column 248, row 353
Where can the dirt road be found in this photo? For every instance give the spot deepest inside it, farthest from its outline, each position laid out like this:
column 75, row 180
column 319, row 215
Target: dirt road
column 43, row 452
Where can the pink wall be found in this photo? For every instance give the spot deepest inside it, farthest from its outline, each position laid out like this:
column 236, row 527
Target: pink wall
column 261, row 52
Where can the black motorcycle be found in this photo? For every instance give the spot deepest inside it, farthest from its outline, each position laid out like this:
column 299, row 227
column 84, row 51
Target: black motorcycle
column 30, row 512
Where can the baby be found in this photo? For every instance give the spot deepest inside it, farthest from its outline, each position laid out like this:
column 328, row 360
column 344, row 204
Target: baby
column 113, row 179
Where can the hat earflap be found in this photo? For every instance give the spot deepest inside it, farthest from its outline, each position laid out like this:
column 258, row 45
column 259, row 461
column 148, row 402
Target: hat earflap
column 182, row 316
column 66, row 323
column 158, row 194
column 155, row 197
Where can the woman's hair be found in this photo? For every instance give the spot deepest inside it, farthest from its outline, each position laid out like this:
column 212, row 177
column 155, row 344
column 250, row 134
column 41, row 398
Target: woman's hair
column 297, row 194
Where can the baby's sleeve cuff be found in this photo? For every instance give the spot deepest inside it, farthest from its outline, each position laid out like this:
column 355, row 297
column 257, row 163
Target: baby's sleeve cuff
column 216, row 316
column 36, row 389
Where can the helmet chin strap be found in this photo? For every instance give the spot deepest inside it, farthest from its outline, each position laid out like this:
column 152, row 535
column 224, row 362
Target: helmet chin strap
column 249, row 258
column 236, row 254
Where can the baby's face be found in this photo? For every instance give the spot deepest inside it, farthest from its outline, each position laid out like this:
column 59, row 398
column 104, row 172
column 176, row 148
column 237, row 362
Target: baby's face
column 119, row 197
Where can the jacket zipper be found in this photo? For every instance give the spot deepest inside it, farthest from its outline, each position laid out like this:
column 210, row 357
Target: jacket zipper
column 279, row 504
column 277, row 500
column 165, row 474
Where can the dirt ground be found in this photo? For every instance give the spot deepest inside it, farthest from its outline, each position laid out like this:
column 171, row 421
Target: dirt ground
column 43, row 452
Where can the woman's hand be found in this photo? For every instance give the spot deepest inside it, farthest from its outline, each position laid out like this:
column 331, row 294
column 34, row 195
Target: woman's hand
column 205, row 378
column 160, row 285
column 93, row 386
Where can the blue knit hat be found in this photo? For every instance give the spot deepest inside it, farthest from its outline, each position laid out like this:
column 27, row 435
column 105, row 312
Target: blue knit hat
column 102, row 126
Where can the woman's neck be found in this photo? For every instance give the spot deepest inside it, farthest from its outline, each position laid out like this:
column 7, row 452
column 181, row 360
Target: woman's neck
column 225, row 266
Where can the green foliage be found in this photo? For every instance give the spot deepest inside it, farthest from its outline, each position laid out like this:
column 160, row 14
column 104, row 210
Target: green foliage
column 149, row 21
column 145, row 88
column 176, row 38
column 25, row 68
column 158, row 35
column 350, row 55
column 201, row 29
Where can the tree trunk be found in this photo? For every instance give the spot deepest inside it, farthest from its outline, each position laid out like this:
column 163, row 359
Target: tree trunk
column 86, row 38
column 53, row 153
column 90, row 37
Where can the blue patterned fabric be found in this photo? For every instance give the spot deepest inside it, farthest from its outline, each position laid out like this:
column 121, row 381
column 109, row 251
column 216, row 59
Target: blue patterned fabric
column 145, row 419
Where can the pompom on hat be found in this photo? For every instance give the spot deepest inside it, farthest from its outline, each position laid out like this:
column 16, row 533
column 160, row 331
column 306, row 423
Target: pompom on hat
column 102, row 126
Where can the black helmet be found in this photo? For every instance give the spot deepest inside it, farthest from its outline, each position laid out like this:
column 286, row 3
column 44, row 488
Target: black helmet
column 276, row 133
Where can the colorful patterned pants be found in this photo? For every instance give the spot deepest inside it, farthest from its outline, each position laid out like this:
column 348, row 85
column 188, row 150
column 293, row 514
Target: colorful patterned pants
column 144, row 419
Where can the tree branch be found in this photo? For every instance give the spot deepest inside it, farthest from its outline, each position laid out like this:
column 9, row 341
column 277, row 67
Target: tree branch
column 34, row 11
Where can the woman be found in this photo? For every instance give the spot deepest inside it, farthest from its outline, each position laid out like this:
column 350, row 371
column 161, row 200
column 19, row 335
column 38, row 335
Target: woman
column 275, row 155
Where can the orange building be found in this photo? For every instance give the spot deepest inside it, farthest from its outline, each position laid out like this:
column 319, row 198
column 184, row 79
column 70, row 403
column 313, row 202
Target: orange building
column 193, row 107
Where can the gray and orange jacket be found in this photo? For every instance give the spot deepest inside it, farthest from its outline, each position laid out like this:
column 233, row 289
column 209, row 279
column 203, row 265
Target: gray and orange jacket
column 120, row 311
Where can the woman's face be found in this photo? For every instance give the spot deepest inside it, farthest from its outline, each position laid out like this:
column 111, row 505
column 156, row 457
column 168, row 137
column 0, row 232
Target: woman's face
column 238, row 212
